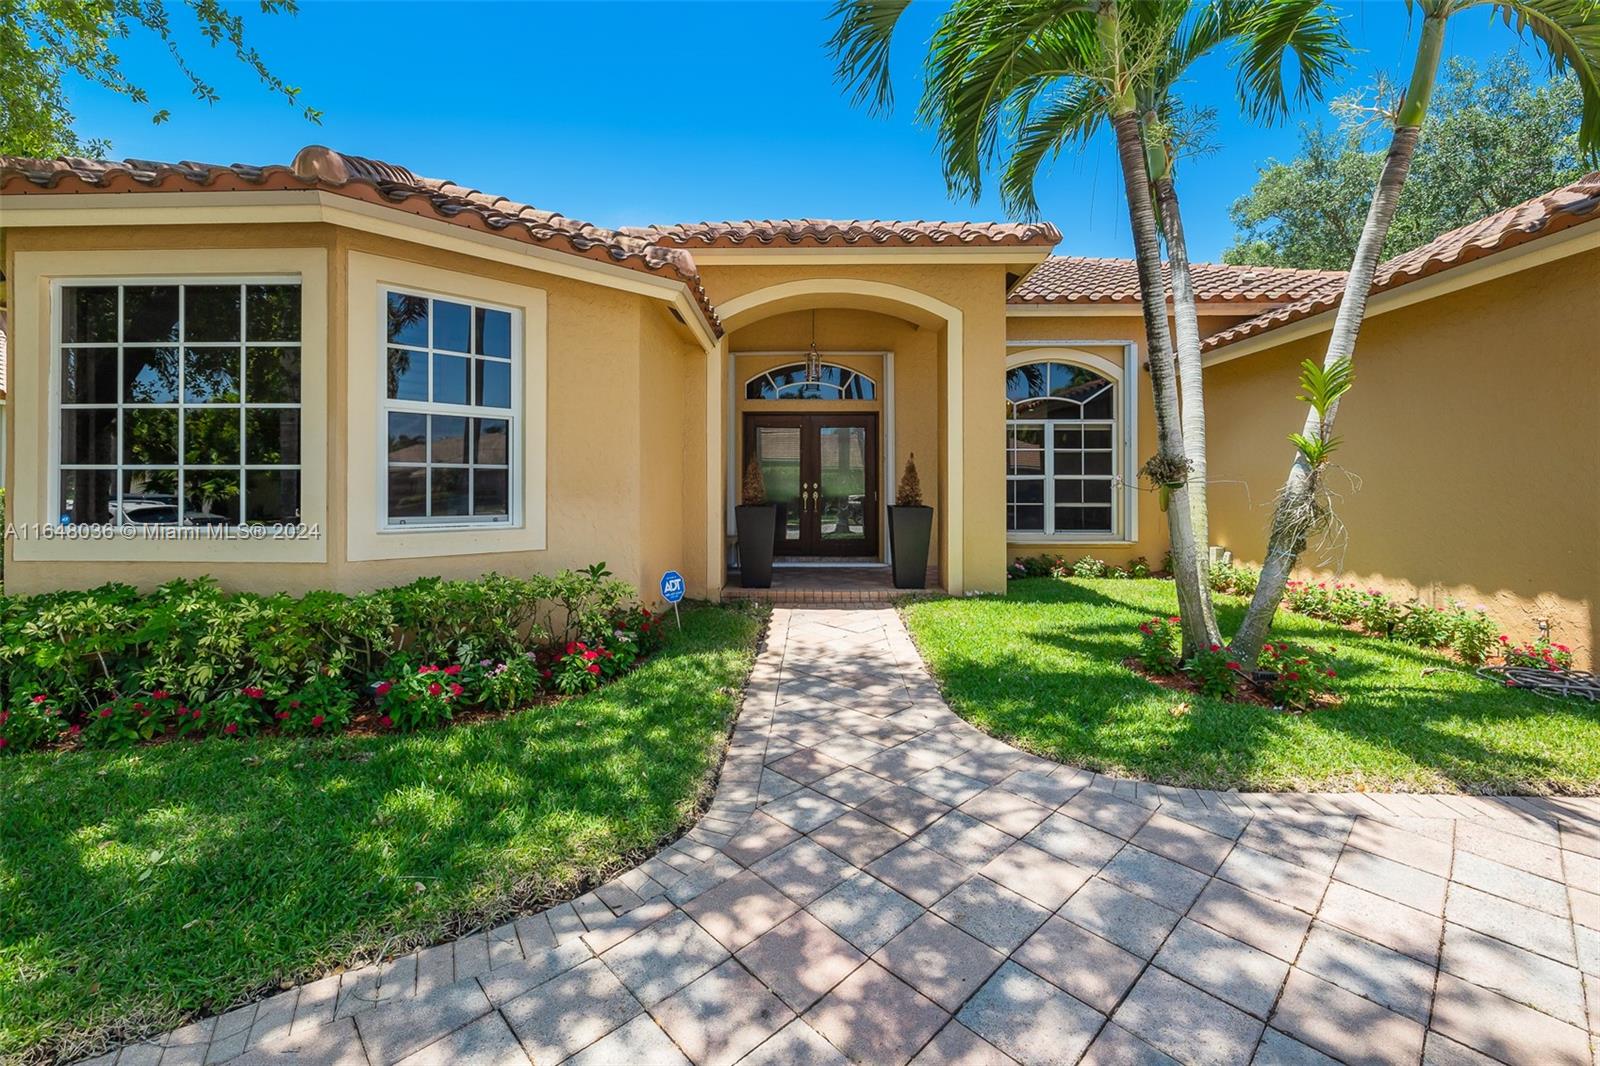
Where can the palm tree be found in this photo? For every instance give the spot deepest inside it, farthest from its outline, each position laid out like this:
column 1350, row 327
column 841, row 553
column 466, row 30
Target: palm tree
column 1569, row 31
column 1040, row 75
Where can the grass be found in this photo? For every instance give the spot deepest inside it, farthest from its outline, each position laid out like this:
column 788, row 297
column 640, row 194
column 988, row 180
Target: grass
column 1041, row 667
column 142, row 887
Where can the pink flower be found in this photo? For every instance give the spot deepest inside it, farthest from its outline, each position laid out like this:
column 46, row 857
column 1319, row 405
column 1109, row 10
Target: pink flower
column 1216, row 647
column 435, row 688
column 254, row 693
column 452, row 671
column 1233, row 666
column 231, row 728
column 427, row 669
column 593, row 668
column 1330, row 673
column 105, row 712
column 316, row 723
column 386, row 722
column 384, row 687
column 1292, row 676
column 40, row 698
column 294, row 705
column 281, row 715
column 591, row 656
column 159, row 694
column 74, row 730
column 455, row 690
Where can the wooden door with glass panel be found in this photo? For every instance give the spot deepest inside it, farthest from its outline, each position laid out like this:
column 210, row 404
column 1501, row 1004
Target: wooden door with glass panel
column 821, row 471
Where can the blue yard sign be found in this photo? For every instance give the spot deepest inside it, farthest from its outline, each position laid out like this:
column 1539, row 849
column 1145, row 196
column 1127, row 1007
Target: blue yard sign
column 672, row 592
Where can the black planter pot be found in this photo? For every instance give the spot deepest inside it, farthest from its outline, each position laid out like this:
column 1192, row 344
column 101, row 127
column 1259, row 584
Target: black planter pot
column 910, row 529
column 756, row 525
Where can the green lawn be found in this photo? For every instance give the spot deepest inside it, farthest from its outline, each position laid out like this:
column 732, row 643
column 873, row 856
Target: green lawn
column 144, row 886
column 1041, row 668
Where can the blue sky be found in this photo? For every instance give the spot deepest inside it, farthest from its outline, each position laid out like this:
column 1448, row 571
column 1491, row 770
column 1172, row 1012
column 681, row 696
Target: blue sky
column 630, row 113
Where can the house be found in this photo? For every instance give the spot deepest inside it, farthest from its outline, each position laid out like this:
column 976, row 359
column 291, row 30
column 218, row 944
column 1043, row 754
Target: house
column 337, row 373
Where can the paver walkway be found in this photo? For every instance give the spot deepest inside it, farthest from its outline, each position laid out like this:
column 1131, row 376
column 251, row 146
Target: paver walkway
column 878, row 882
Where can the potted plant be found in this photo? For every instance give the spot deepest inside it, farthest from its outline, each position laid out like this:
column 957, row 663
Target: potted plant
column 910, row 529
column 757, row 523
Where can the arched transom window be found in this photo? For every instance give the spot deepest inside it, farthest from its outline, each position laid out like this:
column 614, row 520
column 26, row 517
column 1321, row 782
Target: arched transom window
column 833, row 382
column 1061, row 450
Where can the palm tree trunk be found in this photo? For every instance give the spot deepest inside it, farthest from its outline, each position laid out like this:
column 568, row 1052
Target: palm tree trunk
column 1198, row 627
column 1287, row 537
column 1191, row 391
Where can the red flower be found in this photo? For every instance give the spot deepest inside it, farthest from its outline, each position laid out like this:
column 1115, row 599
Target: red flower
column 1292, row 676
column 455, row 689
column 74, row 730
column 144, row 713
column 231, row 728
column 427, row 669
column 1174, row 619
column 159, row 694
column 281, row 715
column 453, row 670
column 183, row 712
column 1233, row 666
column 5, row 716
column 593, row 668
column 255, row 693
column 105, row 712
column 1216, row 647
column 572, row 646
column 591, row 655
column 40, row 698
column 435, row 688
column 1510, row 683
column 316, row 723
column 3, row 742
column 294, row 705
column 384, row 687
column 1330, row 673
column 137, row 705
column 1504, row 639
column 544, row 673
column 386, row 722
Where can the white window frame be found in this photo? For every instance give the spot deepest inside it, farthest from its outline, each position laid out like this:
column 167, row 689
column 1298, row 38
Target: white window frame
column 514, row 415
column 56, row 378
column 1125, row 427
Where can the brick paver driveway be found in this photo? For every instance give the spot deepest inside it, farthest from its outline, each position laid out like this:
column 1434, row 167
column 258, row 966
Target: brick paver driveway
column 878, row 882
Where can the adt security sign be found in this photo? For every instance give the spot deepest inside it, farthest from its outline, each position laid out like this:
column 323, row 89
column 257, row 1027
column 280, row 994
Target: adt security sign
column 672, row 592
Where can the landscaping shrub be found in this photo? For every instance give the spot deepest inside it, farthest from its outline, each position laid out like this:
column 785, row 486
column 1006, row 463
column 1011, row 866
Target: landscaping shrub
column 1378, row 614
column 1423, row 624
column 413, row 698
column 1159, row 641
column 1299, row 673
column 1472, row 633
column 1089, row 566
column 116, row 666
column 1214, row 670
column 1307, row 598
column 1540, row 654
column 322, row 705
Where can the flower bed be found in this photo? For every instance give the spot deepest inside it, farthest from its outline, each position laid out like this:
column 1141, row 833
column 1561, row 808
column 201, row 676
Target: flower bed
column 112, row 666
column 1468, row 632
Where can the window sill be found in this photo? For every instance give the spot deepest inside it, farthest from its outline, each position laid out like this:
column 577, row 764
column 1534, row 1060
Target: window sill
column 451, row 527
column 1055, row 540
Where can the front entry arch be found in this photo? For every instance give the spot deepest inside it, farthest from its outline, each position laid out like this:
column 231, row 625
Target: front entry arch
column 884, row 298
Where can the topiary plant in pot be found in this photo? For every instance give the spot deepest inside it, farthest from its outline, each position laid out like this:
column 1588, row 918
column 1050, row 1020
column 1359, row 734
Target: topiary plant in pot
column 910, row 530
column 757, row 522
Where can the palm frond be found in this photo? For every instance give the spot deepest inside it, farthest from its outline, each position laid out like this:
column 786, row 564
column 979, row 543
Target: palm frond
column 1268, row 33
column 1569, row 30
column 860, row 49
column 1072, row 114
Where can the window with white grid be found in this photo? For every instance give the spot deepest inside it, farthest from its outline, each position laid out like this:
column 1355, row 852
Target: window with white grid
column 177, row 402
column 450, row 411
column 1061, row 450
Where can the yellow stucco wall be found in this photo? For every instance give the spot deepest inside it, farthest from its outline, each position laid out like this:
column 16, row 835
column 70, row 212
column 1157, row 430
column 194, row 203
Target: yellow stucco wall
column 608, row 350
column 1474, row 428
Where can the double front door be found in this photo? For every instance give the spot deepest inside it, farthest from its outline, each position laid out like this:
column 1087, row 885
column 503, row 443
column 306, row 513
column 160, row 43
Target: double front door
column 822, row 472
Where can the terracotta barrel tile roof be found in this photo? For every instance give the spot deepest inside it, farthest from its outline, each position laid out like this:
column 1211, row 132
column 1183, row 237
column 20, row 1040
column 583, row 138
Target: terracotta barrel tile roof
column 1542, row 216
column 371, row 180
column 823, row 232
column 1079, row 279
